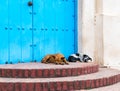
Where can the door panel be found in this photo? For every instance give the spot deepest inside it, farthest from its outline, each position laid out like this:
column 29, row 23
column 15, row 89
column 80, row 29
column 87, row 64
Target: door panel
column 14, row 30
column 49, row 22
column 60, row 26
column 4, row 14
column 38, row 24
column 38, row 14
column 26, row 15
column 20, row 31
column 26, row 46
column 15, row 46
column 26, row 28
column 4, row 48
column 14, row 9
column 65, row 22
column 69, row 26
column 44, row 24
column 4, row 57
column 53, row 22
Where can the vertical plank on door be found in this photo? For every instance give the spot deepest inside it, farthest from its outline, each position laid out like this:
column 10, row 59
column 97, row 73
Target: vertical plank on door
column 4, row 32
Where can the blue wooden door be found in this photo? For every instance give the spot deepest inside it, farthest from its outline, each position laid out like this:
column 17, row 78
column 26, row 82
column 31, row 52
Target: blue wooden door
column 29, row 32
column 53, row 27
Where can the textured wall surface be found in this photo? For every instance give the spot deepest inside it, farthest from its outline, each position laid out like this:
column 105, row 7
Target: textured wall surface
column 111, row 28
column 101, row 31
column 88, row 27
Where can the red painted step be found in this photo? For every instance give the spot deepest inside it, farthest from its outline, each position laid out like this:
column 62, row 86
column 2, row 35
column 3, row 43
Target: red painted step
column 104, row 77
column 39, row 70
column 113, row 87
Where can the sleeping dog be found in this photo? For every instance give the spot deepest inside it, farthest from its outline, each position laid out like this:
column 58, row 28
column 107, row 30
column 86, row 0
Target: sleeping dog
column 79, row 57
column 55, row 58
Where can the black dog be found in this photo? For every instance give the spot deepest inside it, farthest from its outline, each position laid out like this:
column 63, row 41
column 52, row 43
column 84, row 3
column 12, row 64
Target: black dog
column 79, row 57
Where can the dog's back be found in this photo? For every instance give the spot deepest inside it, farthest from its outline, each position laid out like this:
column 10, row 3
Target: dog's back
column 74, row 58
column 79, row 57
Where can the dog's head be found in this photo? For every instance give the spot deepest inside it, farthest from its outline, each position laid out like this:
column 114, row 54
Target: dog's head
column 60, row 56
column 51, row 58
column 86, row 58
column 63, row 58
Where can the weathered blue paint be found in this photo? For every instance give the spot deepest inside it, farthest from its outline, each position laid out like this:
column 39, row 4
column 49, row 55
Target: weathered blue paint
column 27, row 33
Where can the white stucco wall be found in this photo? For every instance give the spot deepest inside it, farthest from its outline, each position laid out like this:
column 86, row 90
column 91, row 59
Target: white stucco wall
column 91, row 30
column 111, row 31
column 87, row 27
column 101, row 31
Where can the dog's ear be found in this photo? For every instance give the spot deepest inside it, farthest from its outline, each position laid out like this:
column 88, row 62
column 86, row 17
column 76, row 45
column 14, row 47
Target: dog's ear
column 77, row 54
column 84, row 55
column 62, row 58
column 53, row 56
column 90, row 59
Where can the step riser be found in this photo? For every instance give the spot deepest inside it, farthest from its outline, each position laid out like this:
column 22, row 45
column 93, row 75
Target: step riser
column 47, row 73
column 60, row 86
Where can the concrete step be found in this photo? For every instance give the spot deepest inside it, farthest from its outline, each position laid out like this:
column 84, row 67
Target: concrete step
column 40, row 70
column 104, row 77
column 114, row 87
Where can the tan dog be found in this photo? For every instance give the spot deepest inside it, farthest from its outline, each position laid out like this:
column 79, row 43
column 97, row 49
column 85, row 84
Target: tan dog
column 55, row 58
